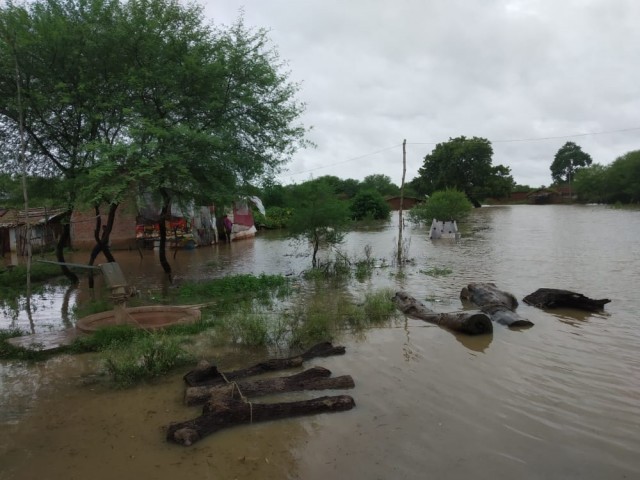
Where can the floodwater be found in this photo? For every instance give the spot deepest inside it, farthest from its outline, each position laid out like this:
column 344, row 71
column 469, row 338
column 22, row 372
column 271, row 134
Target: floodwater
column 560, row 400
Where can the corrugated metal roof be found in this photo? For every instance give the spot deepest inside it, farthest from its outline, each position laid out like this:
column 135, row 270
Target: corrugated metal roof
column 37, row 216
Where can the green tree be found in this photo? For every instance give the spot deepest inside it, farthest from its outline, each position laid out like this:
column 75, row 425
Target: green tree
column 348, row 188
column 381, row 184
column 320, row 217
column 62, row 65
column 369, row 204
column 623, row 178
column 500, row 183
column 143, row 96
column 461, row 163
column 567, row 160
column 590, row 184
column 443, row 205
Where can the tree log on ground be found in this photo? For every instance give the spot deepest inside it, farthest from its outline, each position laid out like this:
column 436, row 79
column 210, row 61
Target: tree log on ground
column 497, row 304
column 555, row 298
column 218, row 415
column 316, row 378
column 471, row 323
column 207, row 374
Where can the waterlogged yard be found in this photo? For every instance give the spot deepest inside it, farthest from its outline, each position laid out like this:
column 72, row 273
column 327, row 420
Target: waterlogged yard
column 272, row 312
column 557, row 400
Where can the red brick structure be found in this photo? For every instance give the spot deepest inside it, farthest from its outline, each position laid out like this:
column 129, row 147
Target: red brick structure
column 123, row 235
column 407, row 202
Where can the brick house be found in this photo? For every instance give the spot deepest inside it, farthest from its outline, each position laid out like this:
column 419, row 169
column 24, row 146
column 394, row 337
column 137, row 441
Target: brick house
column 123, row 234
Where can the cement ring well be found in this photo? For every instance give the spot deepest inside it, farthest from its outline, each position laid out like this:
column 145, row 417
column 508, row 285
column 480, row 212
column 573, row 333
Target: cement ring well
column 153, row 317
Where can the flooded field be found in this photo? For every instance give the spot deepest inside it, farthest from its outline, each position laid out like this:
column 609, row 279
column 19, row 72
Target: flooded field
column 560, row 400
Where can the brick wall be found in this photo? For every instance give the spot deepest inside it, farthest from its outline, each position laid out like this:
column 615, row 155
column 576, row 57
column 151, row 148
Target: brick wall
column 123, row 235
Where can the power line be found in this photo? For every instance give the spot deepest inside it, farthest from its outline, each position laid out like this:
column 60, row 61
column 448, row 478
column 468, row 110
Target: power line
column 344, row 161
column 539, row 139
column 518, row 140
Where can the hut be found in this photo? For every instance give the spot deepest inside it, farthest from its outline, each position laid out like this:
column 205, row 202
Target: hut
column 45, row 225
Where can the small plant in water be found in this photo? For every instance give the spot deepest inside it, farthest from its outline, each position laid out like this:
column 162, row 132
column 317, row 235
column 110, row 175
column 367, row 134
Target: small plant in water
column 150, row 356
column 437, row 271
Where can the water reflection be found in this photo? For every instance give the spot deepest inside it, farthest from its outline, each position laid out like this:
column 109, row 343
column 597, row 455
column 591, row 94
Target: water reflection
column 475, row 343
column 558, row 400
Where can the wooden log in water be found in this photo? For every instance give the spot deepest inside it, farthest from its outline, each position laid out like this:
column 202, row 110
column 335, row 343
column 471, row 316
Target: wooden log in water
column 207, row 374
column 555, row 298
column 499, row 305
column 316, row 378
column 471, row 322
column 218, row 415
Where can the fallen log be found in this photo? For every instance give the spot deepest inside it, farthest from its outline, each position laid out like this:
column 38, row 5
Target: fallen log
column 497, row 304
column 316, row 378
column 207, row 374
column 218, row 415
column 555, row 298
column 471, row 323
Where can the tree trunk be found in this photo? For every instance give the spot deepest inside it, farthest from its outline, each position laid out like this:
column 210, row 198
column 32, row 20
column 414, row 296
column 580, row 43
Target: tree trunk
column 101, row 237
column 219, row 415
column 471, row 323
column 62, row 242
column 497, row 304
column 316, row 247
column 554, row 298
column 316, row 378
column 207, row 374
column 164, row 214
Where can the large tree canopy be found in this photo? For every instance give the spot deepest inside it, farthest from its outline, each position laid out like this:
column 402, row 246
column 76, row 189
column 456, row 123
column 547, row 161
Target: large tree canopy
column 568, row 159
column 463, row 164
column 142, row 95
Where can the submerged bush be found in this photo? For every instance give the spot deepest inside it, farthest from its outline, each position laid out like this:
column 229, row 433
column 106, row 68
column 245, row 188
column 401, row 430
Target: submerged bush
column 443, row 205
column 379, row 307
column 228, row 292
column 13, row 280
column 149, row 356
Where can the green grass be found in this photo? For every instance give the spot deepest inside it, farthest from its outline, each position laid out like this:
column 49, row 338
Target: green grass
column 228, row 291
column 253, row 311
column 437, row 271
column 149, row 356
column 379, row 307
column 13, row 281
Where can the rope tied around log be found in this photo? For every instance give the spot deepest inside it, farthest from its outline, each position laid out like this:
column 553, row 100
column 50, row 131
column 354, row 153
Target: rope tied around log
column 235, row 386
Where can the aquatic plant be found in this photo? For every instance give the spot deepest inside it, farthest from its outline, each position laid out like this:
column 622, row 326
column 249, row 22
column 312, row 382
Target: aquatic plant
column 437, row 271
column 149, row 356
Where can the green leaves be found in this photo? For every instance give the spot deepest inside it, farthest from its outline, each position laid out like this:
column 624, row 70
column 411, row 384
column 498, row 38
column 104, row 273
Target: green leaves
column 461, row 163
column 442, row 205
column 567, row 160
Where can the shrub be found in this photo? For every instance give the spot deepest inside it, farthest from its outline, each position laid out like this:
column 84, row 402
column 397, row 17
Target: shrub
column 369, row 204
column 443, row 205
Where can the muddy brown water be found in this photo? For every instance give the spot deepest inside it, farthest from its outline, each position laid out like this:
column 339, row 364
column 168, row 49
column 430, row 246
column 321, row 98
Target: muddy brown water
column 557, row 401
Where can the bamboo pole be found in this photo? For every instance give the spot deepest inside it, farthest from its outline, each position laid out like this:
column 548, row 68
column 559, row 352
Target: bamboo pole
column 400, row 221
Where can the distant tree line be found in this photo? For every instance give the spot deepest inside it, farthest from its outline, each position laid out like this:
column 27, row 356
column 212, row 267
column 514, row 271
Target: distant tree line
column 618, row 182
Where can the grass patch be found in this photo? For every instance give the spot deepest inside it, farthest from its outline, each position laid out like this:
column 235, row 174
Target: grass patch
column 437, row 272
column 92, row 307
column 379, row 307
column 229, row 291
column 149, row 356
column 40, row 272
column 13, row 281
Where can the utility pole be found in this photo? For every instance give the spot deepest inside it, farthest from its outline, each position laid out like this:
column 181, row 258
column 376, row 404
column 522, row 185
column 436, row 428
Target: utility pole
column 400, row 221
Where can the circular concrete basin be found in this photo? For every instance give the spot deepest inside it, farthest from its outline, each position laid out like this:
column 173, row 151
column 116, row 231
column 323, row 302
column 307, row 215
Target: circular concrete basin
column 150, row 318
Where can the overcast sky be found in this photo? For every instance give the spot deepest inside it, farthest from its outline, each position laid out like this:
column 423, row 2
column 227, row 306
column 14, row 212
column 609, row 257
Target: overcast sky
column 516, row 72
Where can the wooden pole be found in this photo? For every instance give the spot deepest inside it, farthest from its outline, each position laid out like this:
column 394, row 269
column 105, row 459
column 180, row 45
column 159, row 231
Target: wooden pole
column 25, row 193
column 404, row 171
